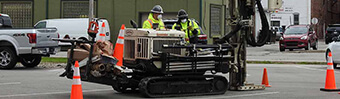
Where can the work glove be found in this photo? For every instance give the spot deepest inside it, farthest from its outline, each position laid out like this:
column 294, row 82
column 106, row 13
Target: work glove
column 178, row 28
column 190, row 28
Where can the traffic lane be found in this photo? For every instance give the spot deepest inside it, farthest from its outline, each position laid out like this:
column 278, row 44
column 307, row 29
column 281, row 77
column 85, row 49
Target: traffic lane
column 17, row 83
column 294, row 81
column 31, row 81
column 45, row 83
column 93, row 94
column 288, row 81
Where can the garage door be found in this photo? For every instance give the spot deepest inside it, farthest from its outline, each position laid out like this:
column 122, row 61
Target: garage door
column 20, row 12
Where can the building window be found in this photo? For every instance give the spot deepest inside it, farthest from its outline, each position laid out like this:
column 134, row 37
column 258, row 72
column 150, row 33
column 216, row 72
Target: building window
column 20, row 13
column 296, row 18
column 216, row 20
column 275, row 23
column 76, row 9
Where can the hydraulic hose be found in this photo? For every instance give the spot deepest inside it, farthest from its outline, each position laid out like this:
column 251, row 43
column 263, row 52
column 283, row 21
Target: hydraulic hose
column 264, row 33
column 230, row 34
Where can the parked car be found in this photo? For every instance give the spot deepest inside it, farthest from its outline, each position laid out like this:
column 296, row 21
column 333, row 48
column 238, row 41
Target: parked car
column 74, row 28
column 297, row 37
column 202, row 38
column 334, row 47
column 24, row 45
column 331, row 32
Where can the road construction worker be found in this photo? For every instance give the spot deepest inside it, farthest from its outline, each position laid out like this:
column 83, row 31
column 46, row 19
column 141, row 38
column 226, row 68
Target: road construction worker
column 190, row 27
column 155, row 17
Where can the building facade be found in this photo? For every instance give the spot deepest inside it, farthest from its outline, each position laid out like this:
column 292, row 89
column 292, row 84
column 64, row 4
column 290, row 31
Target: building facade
column 210, row 13
column 292, row 12
column 327, row 12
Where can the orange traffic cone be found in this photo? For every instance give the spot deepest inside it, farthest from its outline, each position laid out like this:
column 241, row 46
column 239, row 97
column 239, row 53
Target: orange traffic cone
column 265, row 78
column 119, row 48
column 330, row 78
column 102, row 33
column 76, row 92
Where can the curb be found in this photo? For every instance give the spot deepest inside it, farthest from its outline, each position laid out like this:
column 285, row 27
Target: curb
column 286, row 62
column 308, row 51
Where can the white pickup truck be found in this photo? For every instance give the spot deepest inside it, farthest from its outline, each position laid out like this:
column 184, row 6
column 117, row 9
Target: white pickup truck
column 24, row 45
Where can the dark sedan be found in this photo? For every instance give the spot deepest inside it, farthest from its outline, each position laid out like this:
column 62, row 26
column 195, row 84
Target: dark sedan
column 331, row 32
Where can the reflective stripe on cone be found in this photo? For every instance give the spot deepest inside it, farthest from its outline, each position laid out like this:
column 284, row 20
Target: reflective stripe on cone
column 76, row 92
column 119, row 48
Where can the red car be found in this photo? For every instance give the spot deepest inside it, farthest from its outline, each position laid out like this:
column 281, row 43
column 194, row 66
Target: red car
column 297, row 37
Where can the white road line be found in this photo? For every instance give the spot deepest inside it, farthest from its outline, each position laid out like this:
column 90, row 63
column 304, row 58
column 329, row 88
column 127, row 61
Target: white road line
column 314, row 69
column 50, row 93
column 237, row 96
column 10, row 83
column 56, row 70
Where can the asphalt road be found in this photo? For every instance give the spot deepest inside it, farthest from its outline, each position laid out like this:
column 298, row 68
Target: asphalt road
column 288, row 82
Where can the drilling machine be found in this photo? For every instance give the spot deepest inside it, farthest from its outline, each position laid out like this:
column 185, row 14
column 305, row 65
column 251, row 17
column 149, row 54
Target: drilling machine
column 158, row 64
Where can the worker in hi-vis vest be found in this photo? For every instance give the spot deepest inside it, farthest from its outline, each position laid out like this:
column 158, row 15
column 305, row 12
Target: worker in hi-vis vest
column 190, row 27
column 155, row 18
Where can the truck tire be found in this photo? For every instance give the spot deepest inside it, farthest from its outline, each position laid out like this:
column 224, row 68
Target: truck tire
column 8, row 58
column 30, row 61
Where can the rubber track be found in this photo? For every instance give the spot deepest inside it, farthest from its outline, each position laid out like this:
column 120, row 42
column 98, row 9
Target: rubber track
column 144, row 85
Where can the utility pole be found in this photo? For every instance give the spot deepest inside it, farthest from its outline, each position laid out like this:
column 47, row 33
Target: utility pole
column 91, row 9
column 90, row 14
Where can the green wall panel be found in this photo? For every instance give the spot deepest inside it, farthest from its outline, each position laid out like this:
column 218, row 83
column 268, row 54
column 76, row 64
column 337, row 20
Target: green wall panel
column 119, row 12
column 193, row 9
column 123, row 12
column 106, row 10
column 54, row 9
column 39, row 11
column 206, row 16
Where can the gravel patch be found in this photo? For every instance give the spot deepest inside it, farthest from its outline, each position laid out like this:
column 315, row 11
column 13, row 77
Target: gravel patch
column 47, row 65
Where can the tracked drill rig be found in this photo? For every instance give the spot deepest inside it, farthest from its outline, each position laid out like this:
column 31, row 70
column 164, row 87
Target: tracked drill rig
column 158, row 63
